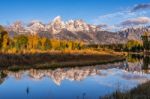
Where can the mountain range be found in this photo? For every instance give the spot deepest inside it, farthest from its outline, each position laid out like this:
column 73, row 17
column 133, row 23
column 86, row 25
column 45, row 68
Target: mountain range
column 76, row 30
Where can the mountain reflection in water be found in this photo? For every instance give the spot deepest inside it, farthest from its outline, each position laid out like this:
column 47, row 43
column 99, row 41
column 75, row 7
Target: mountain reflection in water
column 79, row 82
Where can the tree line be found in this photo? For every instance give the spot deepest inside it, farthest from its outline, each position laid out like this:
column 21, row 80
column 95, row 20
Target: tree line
column 130, row 46
column 146, row 41
column 34, row 42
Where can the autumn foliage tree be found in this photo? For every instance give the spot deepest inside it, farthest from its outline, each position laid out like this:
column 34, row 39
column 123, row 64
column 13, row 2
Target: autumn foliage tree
column 4, row 38
column 21, row 42
column 146, row 41
column 34, row 42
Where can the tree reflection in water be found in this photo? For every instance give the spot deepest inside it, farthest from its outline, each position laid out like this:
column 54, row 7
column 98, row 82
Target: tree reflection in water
column 138, row 62
column 134, row 63
column 84, row 81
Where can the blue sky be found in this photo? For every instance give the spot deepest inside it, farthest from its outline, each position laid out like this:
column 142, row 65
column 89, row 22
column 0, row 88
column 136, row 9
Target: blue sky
column 92, row 11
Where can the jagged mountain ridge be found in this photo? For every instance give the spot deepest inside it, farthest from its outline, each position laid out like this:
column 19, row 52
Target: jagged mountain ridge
column 55, row 26
column 134, row 33
column 76, row 30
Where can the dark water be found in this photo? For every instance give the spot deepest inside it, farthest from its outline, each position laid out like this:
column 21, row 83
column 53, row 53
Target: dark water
column 75, row 83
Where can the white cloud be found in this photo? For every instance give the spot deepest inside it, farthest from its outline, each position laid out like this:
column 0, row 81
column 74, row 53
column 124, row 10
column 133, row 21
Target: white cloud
column 136, row 21
column 115, row 20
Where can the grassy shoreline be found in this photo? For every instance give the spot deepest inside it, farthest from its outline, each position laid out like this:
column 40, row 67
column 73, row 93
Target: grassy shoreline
column 56, row 59
column 139, row 92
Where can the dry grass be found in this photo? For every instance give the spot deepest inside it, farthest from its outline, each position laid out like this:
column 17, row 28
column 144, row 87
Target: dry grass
column 140, row 92
column 57, row 58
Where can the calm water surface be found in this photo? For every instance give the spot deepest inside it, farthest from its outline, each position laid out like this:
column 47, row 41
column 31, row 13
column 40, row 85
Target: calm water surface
column 75, row 83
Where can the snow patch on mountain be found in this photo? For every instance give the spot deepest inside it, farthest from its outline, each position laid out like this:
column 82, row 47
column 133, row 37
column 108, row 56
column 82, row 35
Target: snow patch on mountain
column 55, row 26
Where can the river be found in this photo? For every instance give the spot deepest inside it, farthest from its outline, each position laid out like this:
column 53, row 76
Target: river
column 89, row 82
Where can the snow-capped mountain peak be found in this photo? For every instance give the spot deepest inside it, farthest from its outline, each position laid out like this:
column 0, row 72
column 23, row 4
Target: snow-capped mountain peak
column 35, row 26
column 16, row 26
column 55, row 26
column 58, row 18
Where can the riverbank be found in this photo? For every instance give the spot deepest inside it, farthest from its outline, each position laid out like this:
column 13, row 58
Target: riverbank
column 54, row 59
column 140, row 92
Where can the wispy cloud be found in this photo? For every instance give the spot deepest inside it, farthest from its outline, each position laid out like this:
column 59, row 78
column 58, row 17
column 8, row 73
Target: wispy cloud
column 136, row 21
column 112, row 21
column 106, row 17
column 141, row 7
column 131, row 16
